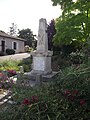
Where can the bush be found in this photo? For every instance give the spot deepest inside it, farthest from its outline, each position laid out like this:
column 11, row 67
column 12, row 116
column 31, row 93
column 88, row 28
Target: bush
column 5, row 82
column 28, row 49
column 2, row 54
column 60, row 62
column 77, row 57
column 26, row 63
column 10, row 51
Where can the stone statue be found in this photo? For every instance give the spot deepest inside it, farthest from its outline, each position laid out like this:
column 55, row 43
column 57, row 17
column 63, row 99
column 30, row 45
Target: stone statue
column 42, row 43
column 41, row 66
column 42, row 57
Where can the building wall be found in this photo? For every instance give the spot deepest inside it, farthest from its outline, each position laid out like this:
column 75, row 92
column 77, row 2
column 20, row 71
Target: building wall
column 9, row 44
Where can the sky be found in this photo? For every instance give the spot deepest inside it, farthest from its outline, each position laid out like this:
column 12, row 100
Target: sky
column 26, row 13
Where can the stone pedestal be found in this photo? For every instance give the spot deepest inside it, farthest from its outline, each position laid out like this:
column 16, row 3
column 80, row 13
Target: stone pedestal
column 41, row 62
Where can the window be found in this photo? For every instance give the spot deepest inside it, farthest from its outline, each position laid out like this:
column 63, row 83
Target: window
column 3, row 46
column 14, row 45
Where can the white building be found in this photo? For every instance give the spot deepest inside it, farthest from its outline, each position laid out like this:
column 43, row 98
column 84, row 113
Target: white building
column 11, row 42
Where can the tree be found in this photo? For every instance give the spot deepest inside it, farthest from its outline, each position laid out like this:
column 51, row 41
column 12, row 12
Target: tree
column 13, row 29
column 51, row 32
column 28, row 35
column 74, row 24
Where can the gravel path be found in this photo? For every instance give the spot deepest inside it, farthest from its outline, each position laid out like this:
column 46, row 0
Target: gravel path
column 15, row 56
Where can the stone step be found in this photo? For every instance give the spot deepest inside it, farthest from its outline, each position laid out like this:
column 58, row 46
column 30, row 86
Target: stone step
column 40, row 77
column 5, row 97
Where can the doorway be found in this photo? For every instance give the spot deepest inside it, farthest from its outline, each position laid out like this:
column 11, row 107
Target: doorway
column 3, row 46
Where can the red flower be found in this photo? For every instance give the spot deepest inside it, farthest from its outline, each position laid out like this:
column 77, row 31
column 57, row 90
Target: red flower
column 71, row 97
column 67, row 92
column 12, row 71
column 26, row 102
column 82, row 102
column 1, row 74
column 34, row 98
column 0, row 85
column 75, row 92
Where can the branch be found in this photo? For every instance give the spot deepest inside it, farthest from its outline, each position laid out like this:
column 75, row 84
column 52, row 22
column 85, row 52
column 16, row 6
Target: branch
column 84, row 29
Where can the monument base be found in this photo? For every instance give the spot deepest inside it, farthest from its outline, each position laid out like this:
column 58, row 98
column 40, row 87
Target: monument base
column 41, row 62
column 43, row 77
column 42, row 65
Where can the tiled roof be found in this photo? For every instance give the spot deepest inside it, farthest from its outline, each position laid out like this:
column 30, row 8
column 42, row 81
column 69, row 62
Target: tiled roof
column 3, row 34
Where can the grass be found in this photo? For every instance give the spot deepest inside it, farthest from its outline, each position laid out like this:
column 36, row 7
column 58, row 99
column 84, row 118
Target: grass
column 9, row 64
column 15, row 65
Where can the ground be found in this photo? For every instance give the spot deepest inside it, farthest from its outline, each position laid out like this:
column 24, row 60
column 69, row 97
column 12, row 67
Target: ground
column 15, row 56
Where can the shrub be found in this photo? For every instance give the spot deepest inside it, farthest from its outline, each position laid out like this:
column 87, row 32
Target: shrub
column 60, row 62
column 50, row 104
column 11, row 73
column 5, row 82
column 10, row 51
column 28, row 49
column 77, row 57
column 2, row 53
column 26, row 63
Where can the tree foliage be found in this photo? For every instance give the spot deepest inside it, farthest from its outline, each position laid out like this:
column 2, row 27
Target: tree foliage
column 74, row 24
column 28, row 35
column 13, row 29
column 51, row 32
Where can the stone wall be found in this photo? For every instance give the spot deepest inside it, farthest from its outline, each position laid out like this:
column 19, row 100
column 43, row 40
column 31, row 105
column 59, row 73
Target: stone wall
column 9, row 43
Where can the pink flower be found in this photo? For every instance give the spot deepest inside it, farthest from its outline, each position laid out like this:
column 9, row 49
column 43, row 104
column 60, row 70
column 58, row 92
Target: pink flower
column 71, row 97
column 34, row 98
column 12, row 71
column 67, row 92
column 0, row 85
column 82, row 102
column 26, row 101
column 1, row 74
column 75, row 92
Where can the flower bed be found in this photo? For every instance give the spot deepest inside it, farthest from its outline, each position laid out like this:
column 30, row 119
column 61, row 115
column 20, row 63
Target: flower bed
column 7, row 80
column 66, row 99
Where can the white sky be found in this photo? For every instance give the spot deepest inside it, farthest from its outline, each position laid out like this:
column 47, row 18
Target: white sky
column 26, row 13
